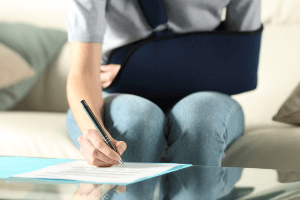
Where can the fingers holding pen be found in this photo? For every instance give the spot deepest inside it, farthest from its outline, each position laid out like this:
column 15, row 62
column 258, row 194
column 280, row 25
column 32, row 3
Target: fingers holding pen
column 92, row 160
column 99, row 143
column 93, row 140
column 93, row 145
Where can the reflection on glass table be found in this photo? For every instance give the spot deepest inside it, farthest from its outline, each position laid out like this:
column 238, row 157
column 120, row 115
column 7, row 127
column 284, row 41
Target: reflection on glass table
column 196, row 182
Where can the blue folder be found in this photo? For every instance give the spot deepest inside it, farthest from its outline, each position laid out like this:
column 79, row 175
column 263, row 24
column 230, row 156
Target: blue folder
column 12, row 165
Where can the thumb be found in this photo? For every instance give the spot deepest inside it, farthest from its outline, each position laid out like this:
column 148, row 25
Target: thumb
column 121, row 147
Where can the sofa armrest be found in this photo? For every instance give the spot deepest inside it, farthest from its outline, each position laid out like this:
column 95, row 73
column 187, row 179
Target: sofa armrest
column 49, row 92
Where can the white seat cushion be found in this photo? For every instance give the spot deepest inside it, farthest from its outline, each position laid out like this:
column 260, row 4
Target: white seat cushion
column 36, row 134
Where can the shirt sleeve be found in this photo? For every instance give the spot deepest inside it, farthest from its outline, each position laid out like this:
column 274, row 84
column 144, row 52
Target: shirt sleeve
column 85, row 20
column 243, row 15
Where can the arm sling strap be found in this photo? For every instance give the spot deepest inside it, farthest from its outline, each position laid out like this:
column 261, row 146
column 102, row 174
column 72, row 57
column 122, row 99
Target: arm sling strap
column 167, row 65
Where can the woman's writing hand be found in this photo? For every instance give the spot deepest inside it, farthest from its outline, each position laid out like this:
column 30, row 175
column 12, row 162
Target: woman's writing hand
column 96, row 152
column 108, row 73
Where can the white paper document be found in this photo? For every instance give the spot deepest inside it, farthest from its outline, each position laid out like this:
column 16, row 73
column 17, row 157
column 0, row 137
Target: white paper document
column 80, row 170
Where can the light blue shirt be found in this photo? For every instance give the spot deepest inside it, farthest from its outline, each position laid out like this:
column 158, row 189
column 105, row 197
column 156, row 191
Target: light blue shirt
column 115, row 23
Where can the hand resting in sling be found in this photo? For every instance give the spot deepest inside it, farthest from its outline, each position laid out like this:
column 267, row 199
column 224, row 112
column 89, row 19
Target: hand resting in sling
column 108, row 73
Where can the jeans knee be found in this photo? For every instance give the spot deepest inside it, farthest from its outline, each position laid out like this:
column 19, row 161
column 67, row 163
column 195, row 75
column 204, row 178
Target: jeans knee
column 205, row 113
column 137, row 115
column 208, row 104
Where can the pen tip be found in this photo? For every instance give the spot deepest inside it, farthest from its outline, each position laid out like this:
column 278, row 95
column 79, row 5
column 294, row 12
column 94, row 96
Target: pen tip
column 121, row 162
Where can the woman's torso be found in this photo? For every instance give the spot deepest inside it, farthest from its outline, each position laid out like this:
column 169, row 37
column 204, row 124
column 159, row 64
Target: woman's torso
column 126, row 22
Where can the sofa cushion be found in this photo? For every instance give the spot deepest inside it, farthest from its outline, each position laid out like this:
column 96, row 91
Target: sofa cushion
column 38, row 46
column 49, row 93
column 269, row 146
column 289, row 112
column 36, row 134
column 13, row 68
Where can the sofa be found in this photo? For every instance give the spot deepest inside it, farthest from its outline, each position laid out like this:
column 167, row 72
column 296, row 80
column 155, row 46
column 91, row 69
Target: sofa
column 36, row 127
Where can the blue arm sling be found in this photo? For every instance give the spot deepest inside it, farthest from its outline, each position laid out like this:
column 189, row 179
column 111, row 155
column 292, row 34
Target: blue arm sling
column 167, row 65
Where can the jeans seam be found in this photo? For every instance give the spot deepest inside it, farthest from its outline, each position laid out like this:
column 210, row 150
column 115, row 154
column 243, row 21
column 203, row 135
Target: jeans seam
column 232, row 111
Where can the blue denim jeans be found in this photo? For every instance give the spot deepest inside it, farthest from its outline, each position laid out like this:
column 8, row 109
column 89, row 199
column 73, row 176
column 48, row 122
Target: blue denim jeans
column 196, row 130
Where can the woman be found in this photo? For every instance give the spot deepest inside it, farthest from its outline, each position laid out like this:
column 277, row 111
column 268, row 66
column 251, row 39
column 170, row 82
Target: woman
column 197, row 129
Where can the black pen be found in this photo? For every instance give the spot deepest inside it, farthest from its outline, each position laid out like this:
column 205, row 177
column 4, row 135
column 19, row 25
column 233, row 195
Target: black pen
column 99, row 127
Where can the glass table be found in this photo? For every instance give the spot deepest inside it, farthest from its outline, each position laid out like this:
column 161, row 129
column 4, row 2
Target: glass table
column 195, row 182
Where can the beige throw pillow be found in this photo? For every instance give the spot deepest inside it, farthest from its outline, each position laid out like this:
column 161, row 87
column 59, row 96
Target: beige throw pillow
column 290, row 110
column 13, row 68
